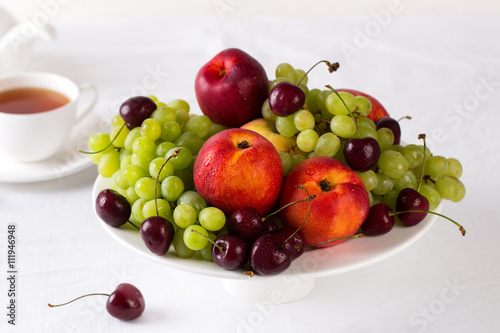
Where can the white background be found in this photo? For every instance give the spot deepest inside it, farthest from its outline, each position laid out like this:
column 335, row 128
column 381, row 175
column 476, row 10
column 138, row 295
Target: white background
column 426, row 60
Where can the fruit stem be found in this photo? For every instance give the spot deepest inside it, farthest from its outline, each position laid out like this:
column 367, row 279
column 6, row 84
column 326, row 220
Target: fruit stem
column 109, row 145
column 460, row 227
column 208, row 238
column 331, row 68
column 175, row 154
column 350, row 113
column 360, row 235
column 291, row 203
column 302, row 187
column 95, row 294
column 133, row 224
column 422, row 136
column 405, row 117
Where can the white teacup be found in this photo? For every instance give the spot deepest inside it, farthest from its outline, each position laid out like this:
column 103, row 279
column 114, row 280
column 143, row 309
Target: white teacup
column 34, row 137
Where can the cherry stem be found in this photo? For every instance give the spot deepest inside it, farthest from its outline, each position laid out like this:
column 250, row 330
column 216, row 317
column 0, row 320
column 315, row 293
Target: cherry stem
column 174, row 154
column 348, row 110
column 95, row 294
column 208, row 238
column 109, row 145
column 292, row 203
column 331, row 68
column 360, row 235
column 309, row 199
column 460, row 227
column 133, row 224
column 405, row 117
column 422, row 136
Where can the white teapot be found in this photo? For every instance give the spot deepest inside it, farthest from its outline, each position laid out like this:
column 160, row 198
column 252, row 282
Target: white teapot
column 16, row 41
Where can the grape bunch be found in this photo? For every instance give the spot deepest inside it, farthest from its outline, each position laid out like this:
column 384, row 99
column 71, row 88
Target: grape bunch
column 337, row 124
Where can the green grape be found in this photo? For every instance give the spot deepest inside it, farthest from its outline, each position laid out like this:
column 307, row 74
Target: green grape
column 160, row 104
column 306, row 140
column 153, row 98
column 145, row 188
column 390, row 198
column 119, row 180
column 287, row 71
column 181, row 116
column 430, row 193
column 304, row 88
column 163, row 148
column 137, row 209
column 321, row 102
column 164, row 114
column 187, row 178
column 212, row 218
column 131, row 136
column 133, row 173
column 303, row 120
column 408, row 180
column 375, row 199
column 178, row 104
column 267, row 113
column 108, row 164
column 182, row 160
column 199, row 125
column 393, row 164
column 461, row 191
column 144, row 143
column 124, row 153
column 151, row 128
column 171, row 188
column 119, row 134
column 193, row 239
column 180, row 247
column 335, row 104
column 436, row 166
column 328, row 144
column 164, row 210
column 206, row 252
column 286, row 126
column 297, row 158
column 142, row 158
column 385, row 138
column 286, row 162
column 191, row 141
column 125, row 162
column 192, row 198
column 131, row 195
column 343, row 126
column 369, row 178
column 364, row 105
column 413, row 154
column 397, row 148
column 301, row 76
column 97, row 142
column 454, row 168
column 311, row 100
column 167, row 169
column 384, row 184
column 185, row 215
column 447, row 187
column 368, row 132
column 366, row 122
column 339, row 156
column 117, row 121
column 214, row 129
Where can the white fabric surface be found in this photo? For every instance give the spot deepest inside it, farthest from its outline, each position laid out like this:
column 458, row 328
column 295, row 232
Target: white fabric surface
column 415, row 65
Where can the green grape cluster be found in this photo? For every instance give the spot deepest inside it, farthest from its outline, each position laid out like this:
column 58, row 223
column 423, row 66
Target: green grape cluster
column 152, row 167
column 329, row 118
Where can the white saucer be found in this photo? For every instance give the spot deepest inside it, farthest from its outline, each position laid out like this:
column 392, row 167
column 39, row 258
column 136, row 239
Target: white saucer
column 66, row 162
column 298, row 280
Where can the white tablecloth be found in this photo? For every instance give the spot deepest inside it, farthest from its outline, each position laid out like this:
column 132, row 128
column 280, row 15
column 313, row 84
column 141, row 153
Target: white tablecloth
column 444, row 71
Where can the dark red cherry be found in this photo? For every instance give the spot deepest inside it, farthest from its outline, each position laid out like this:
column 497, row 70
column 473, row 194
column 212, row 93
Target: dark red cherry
column 230, row 252
column 135, row 109
column 267, row 256
column 126, row 302
column 157, row 233
column 294, row 245
column 286, row 98
column 410, row 199
column 391, row 124
column 362, row 154
column 379, row 221
column 246, row 223
column 112, row 207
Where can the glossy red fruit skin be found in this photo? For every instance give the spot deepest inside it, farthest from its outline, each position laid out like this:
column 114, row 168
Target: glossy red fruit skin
column 246, row 223
column 295, row 245
column 135, row 109
column 410, row 199
column 231, row 88
column 286, row 98
column 267, row 256
column 362, row 154
column 378, row 221
column 391, row 124
column 112, row 207
column 234, row 255
column 157, row 234
column 126, row 302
